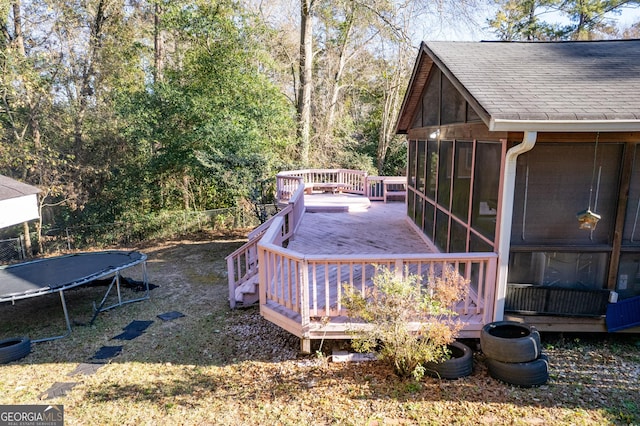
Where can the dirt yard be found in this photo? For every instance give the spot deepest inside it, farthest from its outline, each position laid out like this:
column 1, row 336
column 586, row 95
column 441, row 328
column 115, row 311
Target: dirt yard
column 214, row 366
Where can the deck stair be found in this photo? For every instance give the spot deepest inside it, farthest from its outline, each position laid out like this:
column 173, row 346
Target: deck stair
column 242, row 264
column 247, row 293
column 242, row 267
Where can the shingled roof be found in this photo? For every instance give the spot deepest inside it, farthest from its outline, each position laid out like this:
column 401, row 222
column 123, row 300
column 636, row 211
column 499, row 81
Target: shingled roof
column 537, row 86
column 10, row 188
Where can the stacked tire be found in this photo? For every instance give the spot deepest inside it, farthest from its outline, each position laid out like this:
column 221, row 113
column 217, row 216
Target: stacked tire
column 459, row 365
column 14, row 348
column 513, row 353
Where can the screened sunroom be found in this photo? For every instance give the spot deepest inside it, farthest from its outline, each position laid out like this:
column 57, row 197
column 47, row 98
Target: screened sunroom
column 510, row 152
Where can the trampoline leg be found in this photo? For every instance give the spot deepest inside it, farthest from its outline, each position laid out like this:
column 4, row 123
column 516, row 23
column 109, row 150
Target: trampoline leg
column 145, row 280
column 116, row 280
column 99, row 308
column 66, row 313
column 66, row 318
column 118, row 288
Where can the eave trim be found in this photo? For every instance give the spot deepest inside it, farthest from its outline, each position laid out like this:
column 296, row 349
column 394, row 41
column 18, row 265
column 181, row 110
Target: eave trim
column 497, row 125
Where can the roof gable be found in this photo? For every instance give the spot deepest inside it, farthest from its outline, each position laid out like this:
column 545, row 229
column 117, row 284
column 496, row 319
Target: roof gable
column 592, row 85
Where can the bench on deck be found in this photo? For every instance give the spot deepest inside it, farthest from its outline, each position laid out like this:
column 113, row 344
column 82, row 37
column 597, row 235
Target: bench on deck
column 332, row 187
column 394, row 187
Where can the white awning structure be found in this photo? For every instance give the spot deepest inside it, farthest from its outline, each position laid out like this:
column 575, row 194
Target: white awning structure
column 18, row 202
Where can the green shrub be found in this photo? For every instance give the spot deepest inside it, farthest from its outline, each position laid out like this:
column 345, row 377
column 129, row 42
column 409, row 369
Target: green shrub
column 412, row 322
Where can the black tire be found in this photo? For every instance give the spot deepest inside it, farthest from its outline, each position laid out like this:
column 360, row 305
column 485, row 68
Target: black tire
column 510, row 341
column 524, row 374
column 14, row 348
column 459, row 365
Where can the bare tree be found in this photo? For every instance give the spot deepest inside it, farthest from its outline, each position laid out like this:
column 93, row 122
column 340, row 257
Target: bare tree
column 306, row 75
column 158, row 45
column 23, row 93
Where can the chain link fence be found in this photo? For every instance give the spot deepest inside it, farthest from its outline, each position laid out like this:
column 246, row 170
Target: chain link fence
column 11, row 249
column 151, row 227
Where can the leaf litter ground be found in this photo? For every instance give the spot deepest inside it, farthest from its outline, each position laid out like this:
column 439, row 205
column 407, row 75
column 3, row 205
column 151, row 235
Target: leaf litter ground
column 215, row 366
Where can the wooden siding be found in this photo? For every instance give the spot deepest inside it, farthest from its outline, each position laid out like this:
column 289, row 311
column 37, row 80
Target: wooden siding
column 413, row 99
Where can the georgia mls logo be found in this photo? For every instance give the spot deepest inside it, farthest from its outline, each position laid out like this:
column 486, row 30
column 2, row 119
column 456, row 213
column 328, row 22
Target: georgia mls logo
column 31, row 415
column 54, row 412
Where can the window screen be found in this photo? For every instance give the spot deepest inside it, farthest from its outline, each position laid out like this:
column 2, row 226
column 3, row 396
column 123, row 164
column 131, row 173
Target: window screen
column 453, row 108
column 631, row 236
column 486, row 185
column 553, row 184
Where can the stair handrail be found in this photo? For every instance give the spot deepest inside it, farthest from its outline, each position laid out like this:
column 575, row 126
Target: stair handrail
column 242, row 264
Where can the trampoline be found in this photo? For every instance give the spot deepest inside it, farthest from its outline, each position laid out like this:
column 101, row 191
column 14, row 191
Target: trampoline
column 61, row 273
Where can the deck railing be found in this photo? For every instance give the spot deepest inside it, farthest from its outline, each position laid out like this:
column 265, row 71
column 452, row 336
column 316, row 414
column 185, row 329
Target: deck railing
column 312, row 286
column 350, row 181
column 242, row 264
column 375, row 188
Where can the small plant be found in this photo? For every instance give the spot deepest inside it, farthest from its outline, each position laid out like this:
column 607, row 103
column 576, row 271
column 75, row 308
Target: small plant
column 221, row 222
column 322, row 359
column 412, row 322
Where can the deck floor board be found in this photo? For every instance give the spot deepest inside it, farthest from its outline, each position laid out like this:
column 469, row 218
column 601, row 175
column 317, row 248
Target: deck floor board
column 382, row 228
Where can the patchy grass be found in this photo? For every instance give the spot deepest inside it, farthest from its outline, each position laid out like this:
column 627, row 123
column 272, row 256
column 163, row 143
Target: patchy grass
column 223, row 367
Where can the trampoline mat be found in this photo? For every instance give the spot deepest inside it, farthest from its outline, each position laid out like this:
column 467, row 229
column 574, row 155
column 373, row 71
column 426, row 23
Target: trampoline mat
column 62, row 272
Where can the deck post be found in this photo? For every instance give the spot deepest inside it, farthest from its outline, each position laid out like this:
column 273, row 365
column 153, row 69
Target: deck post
column 262, row 274
column 490, row 277
column 305, row 320
column 305, row 345
column 231, row 282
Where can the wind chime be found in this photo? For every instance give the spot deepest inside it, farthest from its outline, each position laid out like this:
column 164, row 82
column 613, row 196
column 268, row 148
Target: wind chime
column 586, row 218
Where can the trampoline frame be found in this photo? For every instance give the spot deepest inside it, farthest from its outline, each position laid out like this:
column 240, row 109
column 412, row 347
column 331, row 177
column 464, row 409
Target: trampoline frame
column 115, row 281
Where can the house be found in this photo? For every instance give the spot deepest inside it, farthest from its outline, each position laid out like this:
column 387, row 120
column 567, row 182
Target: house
column 18, row 202
column 532, row 151
column 523, row 173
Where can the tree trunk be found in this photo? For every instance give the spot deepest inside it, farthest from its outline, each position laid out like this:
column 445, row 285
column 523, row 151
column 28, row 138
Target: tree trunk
column 581, row 32
column 335, row 90
column 39, row 236
column 384, row 136
column 41, row 199
column 86, row 89
column 18, row 41
column 158, row 44
column 532, row 20
column 17, row 27
column 304, row 97
column 27, row 240
column 391, row 108
column 185, row 190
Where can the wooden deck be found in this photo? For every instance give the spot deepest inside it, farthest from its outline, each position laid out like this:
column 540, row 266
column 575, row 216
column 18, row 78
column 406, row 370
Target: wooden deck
column 382, row 228
column 297, row 264
column 343, row 245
